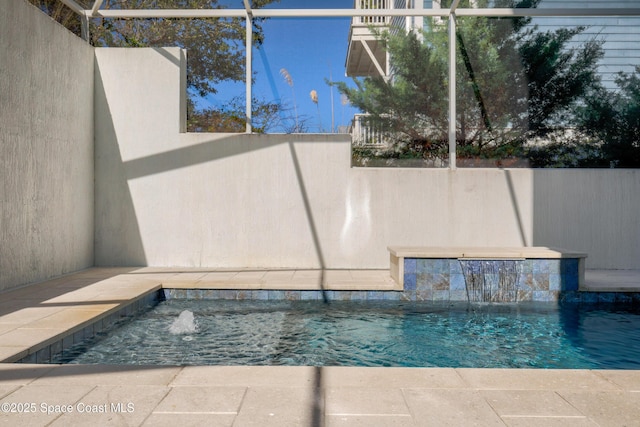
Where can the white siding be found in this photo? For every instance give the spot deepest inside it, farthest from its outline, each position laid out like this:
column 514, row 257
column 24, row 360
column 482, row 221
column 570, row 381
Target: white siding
column 621, row 34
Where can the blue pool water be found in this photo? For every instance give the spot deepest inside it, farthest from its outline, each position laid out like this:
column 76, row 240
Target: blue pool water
column 532, row 335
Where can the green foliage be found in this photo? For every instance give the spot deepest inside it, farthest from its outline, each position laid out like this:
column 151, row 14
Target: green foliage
column 486, row 105
column 608, row 131
column 60, row 13
column 558, row 77
column 514, row 83
column 231, row 117
column 406, row 106
column 561, row 149
column 614, row 119
column 215, row 46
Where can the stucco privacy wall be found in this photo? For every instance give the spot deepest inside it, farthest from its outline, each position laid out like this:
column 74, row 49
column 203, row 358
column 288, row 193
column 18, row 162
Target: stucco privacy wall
column 139, row 115
column 46, row 147
column 594, row 210
column 222, row 200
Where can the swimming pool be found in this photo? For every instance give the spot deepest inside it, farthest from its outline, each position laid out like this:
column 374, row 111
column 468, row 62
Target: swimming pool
column 384, row 333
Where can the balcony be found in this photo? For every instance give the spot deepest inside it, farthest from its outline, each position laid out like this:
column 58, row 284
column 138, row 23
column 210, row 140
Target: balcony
column 365, row 135
column 366, row 56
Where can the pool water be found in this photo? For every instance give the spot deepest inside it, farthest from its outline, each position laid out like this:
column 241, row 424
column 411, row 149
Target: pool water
column 524, row 335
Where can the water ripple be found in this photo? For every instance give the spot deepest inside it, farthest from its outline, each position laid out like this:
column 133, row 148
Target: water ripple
column 373, row 334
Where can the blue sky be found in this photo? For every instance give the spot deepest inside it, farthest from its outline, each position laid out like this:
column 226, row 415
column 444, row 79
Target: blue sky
column 311, row 50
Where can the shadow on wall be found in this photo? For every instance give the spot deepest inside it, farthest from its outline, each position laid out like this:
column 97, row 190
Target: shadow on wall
column 122, row 188
column 590, row 210
column 123, row 247
column 210, row 151
column 127, row 246
column 218, row 148
column 516, row 208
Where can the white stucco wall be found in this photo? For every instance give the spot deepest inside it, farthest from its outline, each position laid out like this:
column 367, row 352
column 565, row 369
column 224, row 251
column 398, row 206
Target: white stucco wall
column 46, row 147
column 293, row 201
column 138, row 115
column 232, row 200
column 594, row 209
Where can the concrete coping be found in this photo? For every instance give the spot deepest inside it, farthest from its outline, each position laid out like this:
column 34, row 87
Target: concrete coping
column 535, row 252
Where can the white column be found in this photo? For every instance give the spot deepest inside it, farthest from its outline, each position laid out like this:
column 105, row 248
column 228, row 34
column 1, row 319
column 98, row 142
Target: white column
column 249, row 70
column 452, row 91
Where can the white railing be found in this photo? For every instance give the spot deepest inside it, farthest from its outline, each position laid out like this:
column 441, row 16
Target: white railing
column 367, row 135
column 372, row 5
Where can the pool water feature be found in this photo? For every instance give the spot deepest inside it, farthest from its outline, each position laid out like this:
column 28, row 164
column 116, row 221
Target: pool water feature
column 184, row 324
column 491, row 280
column 383, row 333
column 487, row 274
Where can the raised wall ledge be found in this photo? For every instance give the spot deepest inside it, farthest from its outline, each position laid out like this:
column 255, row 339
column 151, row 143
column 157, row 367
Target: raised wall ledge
column 398, row 254
column 537, row 252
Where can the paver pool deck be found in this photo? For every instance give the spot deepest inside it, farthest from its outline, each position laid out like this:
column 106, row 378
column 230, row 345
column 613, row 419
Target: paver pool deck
column 68, row 395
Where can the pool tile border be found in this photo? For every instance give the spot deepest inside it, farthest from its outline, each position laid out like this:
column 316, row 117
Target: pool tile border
column 52, row 352
column 424, row 295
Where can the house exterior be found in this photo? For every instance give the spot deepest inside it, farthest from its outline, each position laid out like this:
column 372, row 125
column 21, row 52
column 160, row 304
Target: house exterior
column 366, row 57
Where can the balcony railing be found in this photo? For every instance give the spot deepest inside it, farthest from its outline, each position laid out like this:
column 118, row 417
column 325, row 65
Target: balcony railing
column 366, row 135
column 372, row 5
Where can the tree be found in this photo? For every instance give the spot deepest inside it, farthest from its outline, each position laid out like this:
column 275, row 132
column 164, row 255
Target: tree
column 558, row 77
column 613, row 117
column 59, row 12
column 216, row 46
column 230, row 117
column 514, row 83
